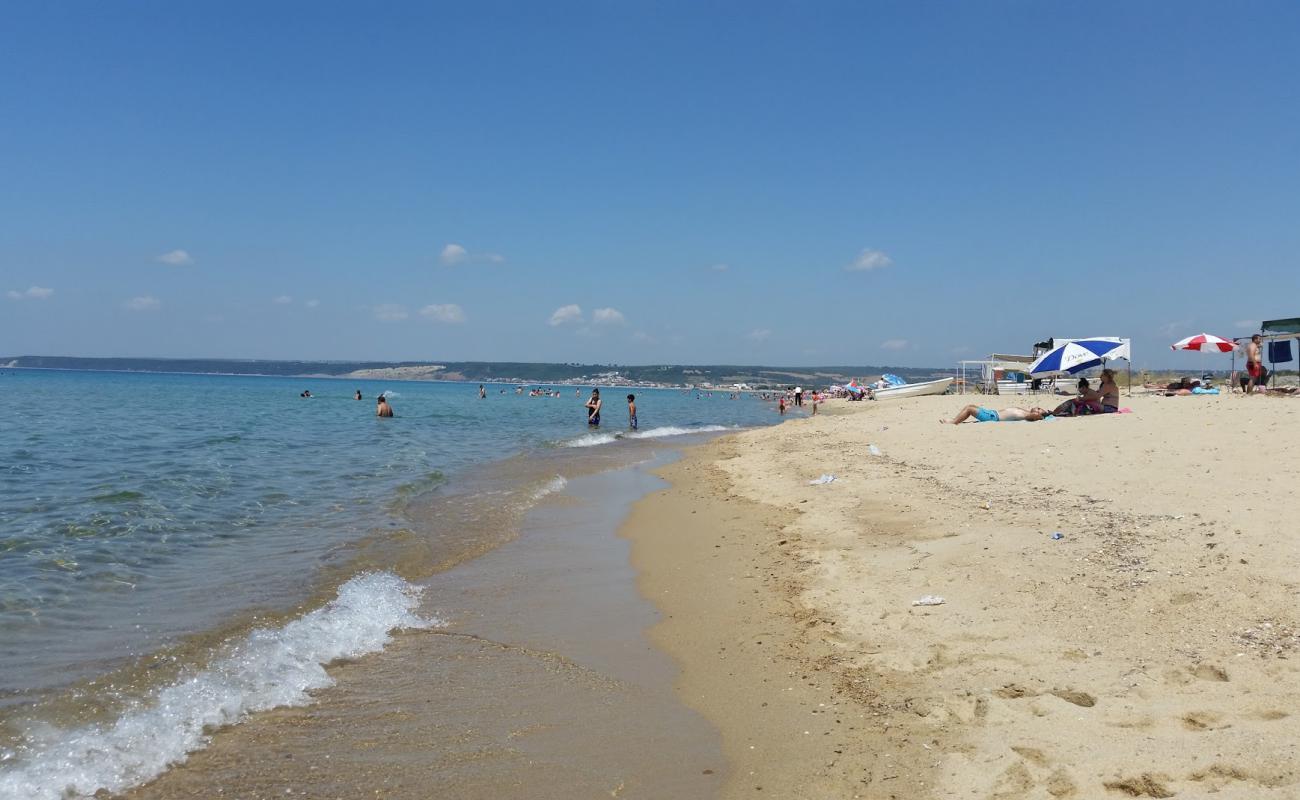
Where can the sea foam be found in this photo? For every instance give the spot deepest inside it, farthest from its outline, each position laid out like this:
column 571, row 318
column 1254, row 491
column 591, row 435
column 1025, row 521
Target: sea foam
column 593, row 439
column 268, row 668
column 552, row 486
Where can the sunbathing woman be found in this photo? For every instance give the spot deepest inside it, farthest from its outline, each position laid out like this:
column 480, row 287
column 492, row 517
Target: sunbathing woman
column 1109, row 391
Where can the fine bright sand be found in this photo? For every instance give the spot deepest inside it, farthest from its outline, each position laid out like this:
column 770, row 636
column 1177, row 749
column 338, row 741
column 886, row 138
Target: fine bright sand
column 1151, row 651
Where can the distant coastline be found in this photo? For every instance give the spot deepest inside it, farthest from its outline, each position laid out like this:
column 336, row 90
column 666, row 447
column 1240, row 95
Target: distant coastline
column 657, row 375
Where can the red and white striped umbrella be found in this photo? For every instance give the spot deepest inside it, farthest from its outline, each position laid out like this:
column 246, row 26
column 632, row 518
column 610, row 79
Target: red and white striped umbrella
column 1204, row 341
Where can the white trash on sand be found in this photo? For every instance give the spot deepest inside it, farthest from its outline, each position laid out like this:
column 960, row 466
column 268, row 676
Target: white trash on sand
column 826, row 478
column 929, row 600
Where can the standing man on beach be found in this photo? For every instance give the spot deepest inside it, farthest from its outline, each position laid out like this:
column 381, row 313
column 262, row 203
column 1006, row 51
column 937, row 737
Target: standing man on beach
column 798, row 396
column 1254, row 364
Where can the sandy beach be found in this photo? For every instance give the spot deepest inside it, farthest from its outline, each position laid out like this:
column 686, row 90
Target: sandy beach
column 1148, row 651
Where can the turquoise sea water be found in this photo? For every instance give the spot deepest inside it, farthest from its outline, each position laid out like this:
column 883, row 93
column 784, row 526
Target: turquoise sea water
column 137, row 509
column 180, row 551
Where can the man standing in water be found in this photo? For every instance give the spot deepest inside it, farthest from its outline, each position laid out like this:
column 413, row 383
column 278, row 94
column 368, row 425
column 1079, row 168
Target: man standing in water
column 382, row 408
column 593, row 408
column 482, row 393
column 798, row 396
column 631, row 411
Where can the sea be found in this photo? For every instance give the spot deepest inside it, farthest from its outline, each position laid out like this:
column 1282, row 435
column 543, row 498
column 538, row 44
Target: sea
column 180, row 553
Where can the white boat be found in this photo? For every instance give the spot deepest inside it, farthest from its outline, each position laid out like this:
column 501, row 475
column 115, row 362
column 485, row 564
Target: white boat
column 914, row 389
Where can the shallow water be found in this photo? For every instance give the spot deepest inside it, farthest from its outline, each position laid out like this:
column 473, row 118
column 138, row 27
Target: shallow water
column 151, row 525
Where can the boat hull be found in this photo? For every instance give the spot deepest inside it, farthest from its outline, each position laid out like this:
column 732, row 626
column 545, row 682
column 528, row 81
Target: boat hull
column 914, row 389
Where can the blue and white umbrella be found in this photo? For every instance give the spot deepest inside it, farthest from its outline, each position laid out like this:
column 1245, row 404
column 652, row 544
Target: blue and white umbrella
column 1076, row 356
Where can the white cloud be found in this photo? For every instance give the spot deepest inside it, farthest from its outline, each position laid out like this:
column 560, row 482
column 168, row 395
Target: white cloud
column 31, row 293
column 894, row 344
column 1247, row 324
column 759, row 335
column 453, row 254
column 142, row 303
column 608, row 316
column 565, row 314
column 390, row 312
column 283, row 300
column 868, row 260
column 449, row 313
column 312, row 303
column 720, row 267
column 176, row 258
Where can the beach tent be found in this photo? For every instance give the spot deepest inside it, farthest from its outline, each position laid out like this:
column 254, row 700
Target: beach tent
column 1273, row 332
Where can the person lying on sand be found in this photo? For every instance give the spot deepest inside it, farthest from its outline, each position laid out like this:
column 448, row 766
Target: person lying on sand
column 982, row 414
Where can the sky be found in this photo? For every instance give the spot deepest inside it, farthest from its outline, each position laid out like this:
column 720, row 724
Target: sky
column 829, row 183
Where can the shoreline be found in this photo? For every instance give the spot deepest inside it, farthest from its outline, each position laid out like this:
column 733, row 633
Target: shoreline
column 1149, row 651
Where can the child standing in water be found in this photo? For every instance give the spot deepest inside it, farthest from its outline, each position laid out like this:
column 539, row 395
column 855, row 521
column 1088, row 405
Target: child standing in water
column 593, row 408
column 631, row 411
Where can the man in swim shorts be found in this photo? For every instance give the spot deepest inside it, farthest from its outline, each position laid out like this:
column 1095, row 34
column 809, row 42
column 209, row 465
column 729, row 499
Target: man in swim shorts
column 593, row 408
column 982, row 414
column 1254, row 364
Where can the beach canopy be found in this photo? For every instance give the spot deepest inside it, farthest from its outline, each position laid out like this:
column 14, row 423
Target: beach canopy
column 1204, row 342
column 1076, row 355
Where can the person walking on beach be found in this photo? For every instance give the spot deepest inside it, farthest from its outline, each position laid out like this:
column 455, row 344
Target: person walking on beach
column 593, row 408
column 631, row 411
column 382, row 408
column 1254, row 364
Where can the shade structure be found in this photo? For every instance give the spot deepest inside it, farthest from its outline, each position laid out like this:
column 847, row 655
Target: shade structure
column 1077, row 355
column 1205, row 342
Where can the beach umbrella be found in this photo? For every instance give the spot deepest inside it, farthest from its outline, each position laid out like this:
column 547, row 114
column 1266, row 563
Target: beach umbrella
column 1075, row 356
column 1203, row 342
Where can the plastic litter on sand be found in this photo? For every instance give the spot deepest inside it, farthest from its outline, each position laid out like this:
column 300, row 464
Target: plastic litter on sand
column 827, row 478
column 1058, row 535
column 929, row 600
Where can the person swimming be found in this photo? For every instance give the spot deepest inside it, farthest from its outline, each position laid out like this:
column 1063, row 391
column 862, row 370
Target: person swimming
column 358, row 394
column 382, row 408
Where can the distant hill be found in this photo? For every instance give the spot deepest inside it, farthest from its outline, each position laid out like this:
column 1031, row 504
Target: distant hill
column 486, row 371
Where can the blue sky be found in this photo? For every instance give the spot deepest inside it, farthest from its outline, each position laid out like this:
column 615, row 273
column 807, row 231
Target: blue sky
column 780, row 183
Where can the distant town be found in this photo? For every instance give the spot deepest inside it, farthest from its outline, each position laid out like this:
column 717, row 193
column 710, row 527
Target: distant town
column 651, row 376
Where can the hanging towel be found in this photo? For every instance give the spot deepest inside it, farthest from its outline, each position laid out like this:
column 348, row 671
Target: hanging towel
column 1279, row 352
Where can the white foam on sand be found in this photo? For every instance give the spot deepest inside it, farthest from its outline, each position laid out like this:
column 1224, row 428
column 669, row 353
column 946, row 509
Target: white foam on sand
column 552, row 486
column 593, row 439
column 268, row 668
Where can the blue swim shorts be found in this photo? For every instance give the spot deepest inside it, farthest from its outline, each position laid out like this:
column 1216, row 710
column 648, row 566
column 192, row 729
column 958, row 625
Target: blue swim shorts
column 986, row 415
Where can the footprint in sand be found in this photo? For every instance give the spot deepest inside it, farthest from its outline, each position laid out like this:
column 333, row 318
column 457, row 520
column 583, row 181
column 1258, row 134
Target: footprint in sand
column 1204, row 721
column 1081, row 699
column 1144, row 785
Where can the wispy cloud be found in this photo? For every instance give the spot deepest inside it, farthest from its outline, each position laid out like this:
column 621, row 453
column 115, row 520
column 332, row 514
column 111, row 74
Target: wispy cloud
column 1171, row 328
column 608, row 316
column 720, row 267
column 390, row 312
column 283, row 300
column 176, row 258
column 453, row 254
column 144, row 302
column 869, row 260
column 31, row 293
column 449, row 313
column 759, row 335
column 312, row 303
column 894, row 344
column 1247, row 324
column 642, row 336
column 565, row 314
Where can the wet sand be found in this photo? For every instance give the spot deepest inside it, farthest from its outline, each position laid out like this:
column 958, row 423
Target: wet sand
column 541, row 684
column 1150, row 651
